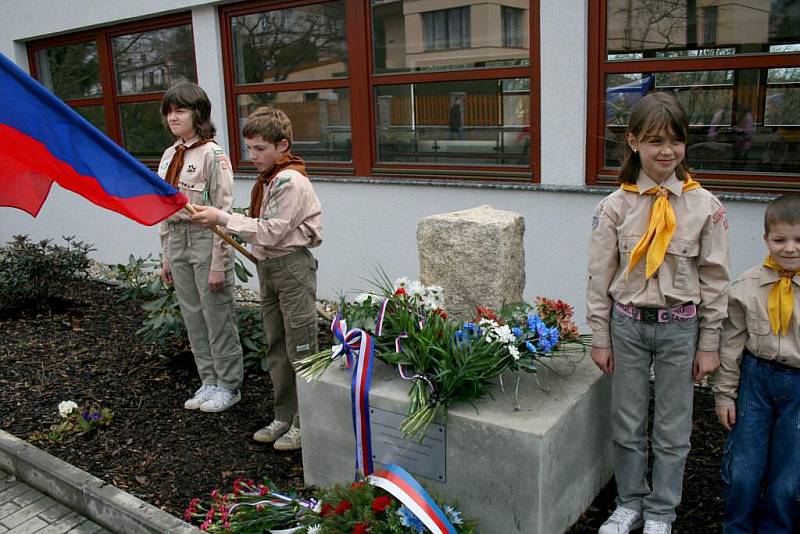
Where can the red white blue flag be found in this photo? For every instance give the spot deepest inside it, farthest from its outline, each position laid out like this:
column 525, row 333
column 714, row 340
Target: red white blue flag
column 42, row 140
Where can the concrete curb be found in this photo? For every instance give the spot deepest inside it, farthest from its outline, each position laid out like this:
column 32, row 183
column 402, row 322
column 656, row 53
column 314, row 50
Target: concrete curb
column 103, row 503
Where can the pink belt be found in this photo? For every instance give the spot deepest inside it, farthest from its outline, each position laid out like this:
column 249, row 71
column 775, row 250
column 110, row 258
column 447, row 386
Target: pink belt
column 678, row 314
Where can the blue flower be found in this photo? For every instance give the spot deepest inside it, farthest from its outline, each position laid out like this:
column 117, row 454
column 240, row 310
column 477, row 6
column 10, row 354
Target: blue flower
column 409, row 520
column 517, row 331
column 531, row 347
column 452, row 514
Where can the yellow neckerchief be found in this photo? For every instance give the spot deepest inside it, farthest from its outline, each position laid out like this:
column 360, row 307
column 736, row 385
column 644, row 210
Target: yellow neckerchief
column 780, row 304
column 660, row 227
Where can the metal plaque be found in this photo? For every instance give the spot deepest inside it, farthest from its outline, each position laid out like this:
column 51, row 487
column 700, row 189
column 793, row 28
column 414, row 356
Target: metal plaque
column 426, row 458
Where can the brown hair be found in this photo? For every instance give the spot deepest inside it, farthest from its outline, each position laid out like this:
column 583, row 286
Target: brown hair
column 651, row 114
column 190, row 96
column 270, row 123
column 785, row 209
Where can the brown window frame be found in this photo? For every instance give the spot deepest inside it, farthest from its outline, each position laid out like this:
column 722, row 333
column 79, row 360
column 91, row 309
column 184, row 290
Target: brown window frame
column 362, row 82
column 110, row 100
column 599, row 66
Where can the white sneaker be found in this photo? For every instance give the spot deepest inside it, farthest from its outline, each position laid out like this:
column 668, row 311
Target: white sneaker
column 622, row 521
column 205, row 392
column 221, row 400
column 657, row 527
column 290, row 441
column 272, row 431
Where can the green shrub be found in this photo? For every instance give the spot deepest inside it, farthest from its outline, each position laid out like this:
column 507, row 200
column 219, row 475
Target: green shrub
column 32, row 275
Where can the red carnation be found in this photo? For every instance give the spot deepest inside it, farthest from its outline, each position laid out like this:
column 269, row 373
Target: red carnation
column 440, row 312
column 360, row 528
column 400, row 291
column 485, row 313
column 356, row 485
column 342, row 507
column 326, row 510
column 380, row 504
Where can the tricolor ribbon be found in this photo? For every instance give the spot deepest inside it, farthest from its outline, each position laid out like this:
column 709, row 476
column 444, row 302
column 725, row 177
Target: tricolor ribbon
column 381, row 315
column 405, row 489
column 357, row 344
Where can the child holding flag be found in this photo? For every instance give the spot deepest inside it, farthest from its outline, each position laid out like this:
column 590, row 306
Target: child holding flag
column 197, row 261
column 658, row 269
column 285, row 220
column 757, row 387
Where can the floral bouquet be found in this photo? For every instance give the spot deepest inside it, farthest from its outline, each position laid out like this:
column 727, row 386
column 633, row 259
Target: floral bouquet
column 75, row 420
column 362, row 508
column 249, row 508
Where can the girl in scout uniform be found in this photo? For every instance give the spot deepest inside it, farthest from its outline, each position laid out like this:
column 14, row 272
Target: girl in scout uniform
column 658, row 269
column 195, row 260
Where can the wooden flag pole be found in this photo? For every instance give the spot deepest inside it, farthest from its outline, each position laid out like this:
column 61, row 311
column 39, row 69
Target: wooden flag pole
column 243, row 251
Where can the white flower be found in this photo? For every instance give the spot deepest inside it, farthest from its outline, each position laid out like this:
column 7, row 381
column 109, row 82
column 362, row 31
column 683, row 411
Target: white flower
column 513, row 350
column 317, row 507
column 315, row 529
column 400, row 282
column 363, row 297
column 415, row 288
column 65, row 408
column 504, row 334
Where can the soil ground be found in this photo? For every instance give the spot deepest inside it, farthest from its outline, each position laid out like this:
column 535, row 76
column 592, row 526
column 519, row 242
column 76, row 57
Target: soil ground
column 85, row 350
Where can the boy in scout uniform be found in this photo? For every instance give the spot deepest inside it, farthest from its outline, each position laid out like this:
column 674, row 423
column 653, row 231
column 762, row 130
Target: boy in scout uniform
column 757, row 387
column 285, row 220
column 658, row 269
column 197, row 261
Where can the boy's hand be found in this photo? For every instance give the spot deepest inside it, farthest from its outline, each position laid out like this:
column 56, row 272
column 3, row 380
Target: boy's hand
column 208, row 216
column 166, row 273
column 705, row 363
column 727, row 415
column 603, row 358
column 216, row 280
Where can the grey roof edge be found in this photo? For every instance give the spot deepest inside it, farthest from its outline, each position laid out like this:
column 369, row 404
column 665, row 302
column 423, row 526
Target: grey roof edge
column 86, row 494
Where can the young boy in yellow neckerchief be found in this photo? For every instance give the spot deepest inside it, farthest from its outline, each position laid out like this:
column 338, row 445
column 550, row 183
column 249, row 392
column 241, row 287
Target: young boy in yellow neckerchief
column 658, row 269
column 757, row 387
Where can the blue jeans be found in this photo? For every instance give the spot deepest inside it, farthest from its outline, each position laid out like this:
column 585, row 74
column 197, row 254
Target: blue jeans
column 761, row 462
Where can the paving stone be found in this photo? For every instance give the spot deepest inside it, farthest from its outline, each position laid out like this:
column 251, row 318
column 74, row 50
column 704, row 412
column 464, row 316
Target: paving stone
column 17, row 489
column 65, row 524
column 7, row 509
column 31, row 526
column 28, row 511
column 87, row 528
column 29, row 497
column 53, row 514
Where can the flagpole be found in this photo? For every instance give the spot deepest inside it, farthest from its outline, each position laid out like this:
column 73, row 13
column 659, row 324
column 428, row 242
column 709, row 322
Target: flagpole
column 243, row 251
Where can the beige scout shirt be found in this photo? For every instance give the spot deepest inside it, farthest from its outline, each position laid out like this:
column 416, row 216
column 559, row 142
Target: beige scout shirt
column 207, row 180
column 695, row 267
column 748, row 326
column 291, row 218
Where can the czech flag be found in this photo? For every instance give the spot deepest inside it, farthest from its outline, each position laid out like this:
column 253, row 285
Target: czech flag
column 42, row 140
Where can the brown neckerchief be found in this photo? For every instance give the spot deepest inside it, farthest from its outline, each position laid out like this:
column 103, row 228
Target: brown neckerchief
column 176, row 164
column 286, row 161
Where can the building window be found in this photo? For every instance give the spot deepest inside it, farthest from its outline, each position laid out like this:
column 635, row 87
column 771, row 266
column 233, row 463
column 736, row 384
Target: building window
column 420, row 92
column 513, row 26
column 116, row 76
column 446, row 28
column 735, row 69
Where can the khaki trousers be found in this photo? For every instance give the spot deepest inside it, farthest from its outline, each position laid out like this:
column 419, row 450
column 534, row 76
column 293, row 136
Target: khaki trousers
column 288, row 306
column 209, row 316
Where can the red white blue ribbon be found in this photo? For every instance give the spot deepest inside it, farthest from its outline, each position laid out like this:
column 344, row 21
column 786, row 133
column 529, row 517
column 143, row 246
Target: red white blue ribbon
column 357, row 344
column 359, row 395
column 405, row 489
column 381, row 315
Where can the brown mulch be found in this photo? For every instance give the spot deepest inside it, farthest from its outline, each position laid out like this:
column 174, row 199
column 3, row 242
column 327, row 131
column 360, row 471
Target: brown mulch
column 156, row 450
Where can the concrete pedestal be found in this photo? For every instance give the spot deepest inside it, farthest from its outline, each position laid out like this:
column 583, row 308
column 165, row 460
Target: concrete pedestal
column 532, row 471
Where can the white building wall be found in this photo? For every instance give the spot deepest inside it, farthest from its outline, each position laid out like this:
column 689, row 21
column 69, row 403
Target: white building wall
column 373, row 224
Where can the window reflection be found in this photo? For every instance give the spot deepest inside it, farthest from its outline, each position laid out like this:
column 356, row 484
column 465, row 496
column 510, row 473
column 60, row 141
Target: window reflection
column 700, row 27
column 301, row 43
column 70, row 71
column 476, row 122
column 94, row 114
column 415, row 35
column 320, row 121
column 732, row 127
column 154, row 60
column 143, row 133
